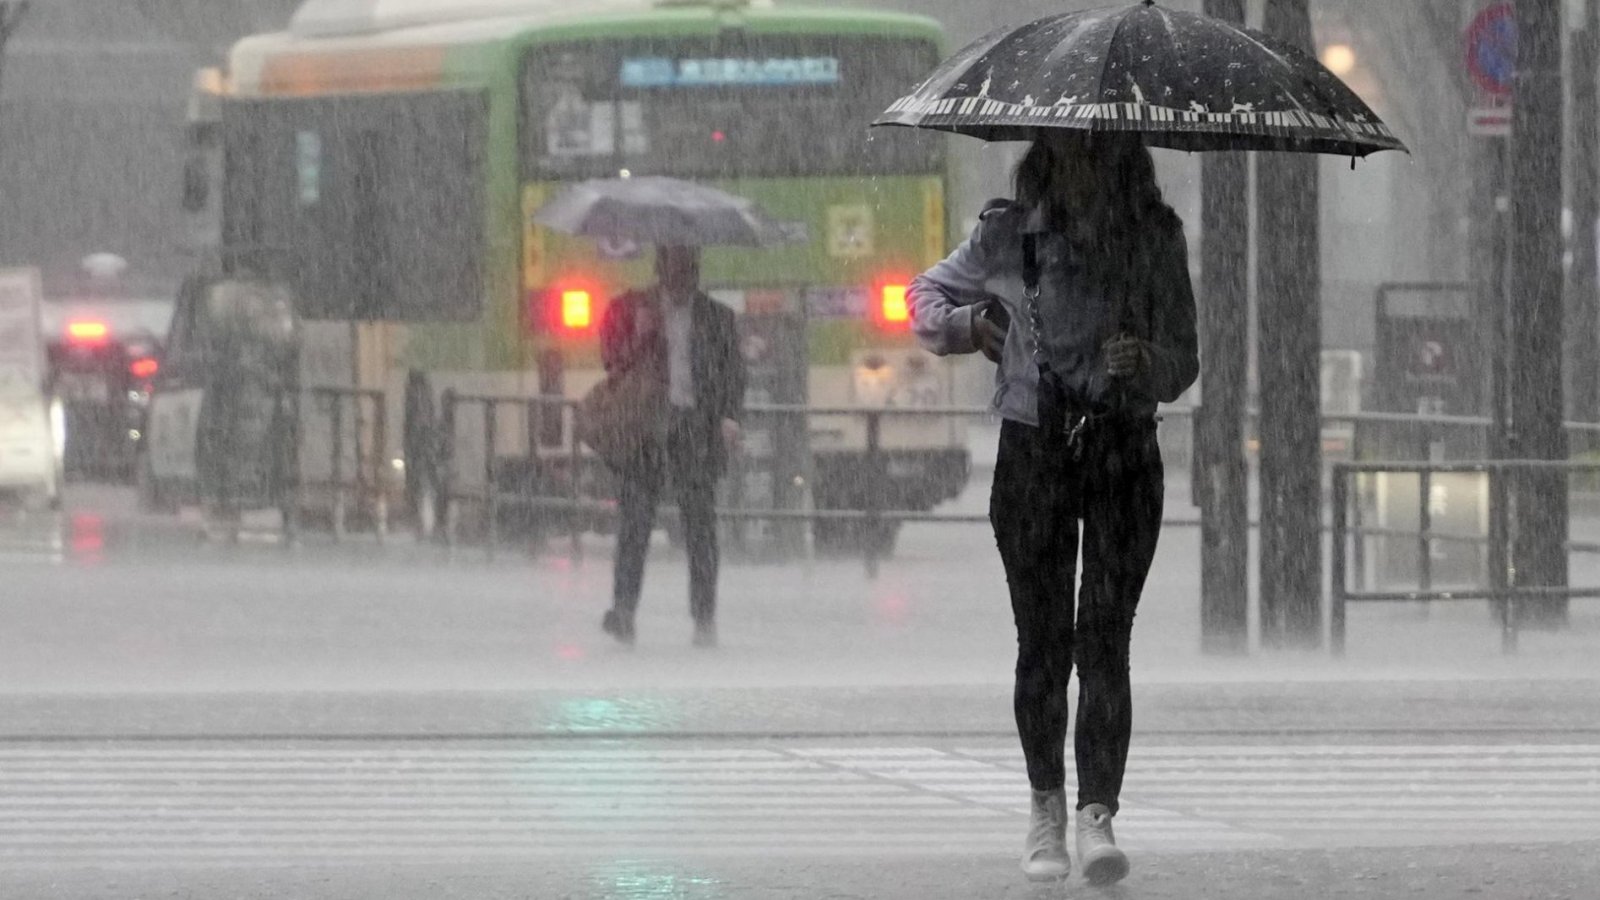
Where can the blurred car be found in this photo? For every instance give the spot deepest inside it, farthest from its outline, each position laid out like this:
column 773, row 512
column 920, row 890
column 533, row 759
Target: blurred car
column 29, row 423
column 103, row 355
column 221, row 408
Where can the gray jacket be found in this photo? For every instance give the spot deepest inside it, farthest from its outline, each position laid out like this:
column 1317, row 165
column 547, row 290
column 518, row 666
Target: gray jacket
column 1080, row 312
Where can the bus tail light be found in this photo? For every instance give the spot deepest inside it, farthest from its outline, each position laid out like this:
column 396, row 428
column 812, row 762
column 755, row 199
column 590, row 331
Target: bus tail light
column 894, row 306
column 577, row 310
column 561, row 311
column 144, row 368
column 87, row 333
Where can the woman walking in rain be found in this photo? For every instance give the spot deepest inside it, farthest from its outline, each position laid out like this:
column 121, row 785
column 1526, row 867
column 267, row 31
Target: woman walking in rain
column 1091, row 265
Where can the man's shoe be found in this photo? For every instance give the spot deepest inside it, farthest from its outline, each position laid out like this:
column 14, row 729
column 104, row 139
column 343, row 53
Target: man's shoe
column 619, row 625
column 705, row 634
column 1044, row 856
column 1102, row 862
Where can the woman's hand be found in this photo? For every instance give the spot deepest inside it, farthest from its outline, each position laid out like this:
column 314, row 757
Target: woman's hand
column 991, row 338
column 1127, row 357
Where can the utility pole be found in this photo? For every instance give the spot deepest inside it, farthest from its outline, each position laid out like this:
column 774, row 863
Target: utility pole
column 1289, row 353
column 1222, row 484
column 1488, row 236
column 1540, row 516
column 1583, row 280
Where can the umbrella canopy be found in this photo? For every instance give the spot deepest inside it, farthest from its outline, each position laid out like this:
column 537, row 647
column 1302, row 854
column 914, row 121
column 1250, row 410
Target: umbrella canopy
column 1184, row 81
column 654, row 210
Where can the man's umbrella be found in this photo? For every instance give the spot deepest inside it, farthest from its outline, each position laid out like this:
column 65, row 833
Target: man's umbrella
column 1182, row 80
column 662, row 211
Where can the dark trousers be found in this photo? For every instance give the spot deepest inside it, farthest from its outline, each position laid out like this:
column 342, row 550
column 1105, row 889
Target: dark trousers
column 1114, row 488
column 682, row 458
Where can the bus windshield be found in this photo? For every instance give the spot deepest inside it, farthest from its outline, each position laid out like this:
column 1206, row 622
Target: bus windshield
column 727, row 107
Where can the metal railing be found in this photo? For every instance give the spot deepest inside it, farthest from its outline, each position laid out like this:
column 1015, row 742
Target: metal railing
column 367, row 411
column 356, row 471
column 534, row 410
column 1500, row 590
column 1429, row 430
column 875, row 512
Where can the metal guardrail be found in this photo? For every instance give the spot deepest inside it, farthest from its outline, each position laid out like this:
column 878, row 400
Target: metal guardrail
column 875, row 513
column 366, row 410
column 535, row 409
column 1500, row 590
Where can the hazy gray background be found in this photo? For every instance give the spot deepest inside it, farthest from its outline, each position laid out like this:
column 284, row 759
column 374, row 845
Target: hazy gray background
column 92, row 106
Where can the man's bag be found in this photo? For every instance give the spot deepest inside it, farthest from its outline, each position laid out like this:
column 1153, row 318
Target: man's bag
column 621, row 414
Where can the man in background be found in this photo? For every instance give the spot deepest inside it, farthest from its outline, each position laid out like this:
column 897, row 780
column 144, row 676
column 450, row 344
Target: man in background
column 692, row 343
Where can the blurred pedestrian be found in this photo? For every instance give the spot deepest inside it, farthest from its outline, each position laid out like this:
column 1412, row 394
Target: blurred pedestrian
column 245, row 432
column 1080, row 286
column 692, row 342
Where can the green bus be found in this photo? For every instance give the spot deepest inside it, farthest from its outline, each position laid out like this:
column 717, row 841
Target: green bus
column 394, row 152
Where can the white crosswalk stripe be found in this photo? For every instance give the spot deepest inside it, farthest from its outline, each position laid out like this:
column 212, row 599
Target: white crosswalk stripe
column 152, row 805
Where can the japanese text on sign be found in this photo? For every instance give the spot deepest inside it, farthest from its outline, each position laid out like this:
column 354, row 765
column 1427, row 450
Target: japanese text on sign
column 658, row 72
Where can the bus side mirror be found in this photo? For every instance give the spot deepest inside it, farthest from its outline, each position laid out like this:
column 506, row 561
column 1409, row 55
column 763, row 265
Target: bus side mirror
column 196, row 185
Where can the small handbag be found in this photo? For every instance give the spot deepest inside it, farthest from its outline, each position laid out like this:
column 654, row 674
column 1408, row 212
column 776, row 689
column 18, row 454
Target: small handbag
column 620, row 415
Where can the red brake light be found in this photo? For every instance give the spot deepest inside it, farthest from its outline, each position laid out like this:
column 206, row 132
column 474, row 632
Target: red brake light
column 577, row 310
column 145, row 368
column 896, row 307
column 87, row 333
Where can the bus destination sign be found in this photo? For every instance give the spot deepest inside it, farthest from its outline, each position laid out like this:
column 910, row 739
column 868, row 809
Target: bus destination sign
column 662, row 72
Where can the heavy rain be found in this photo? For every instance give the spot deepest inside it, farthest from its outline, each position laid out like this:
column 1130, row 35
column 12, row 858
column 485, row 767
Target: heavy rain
column 722, row 449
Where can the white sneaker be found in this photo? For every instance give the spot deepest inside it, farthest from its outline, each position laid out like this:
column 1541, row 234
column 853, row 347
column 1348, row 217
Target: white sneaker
column 1102, row 862
column 1044, row 857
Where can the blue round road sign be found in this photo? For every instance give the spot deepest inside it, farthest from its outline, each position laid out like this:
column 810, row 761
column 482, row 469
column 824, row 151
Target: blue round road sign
column 1492, row 48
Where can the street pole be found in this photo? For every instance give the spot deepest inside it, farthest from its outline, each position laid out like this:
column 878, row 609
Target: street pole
column 1537, row 308
column 1583, row 279
column 1289, row 348
column 1222, row 487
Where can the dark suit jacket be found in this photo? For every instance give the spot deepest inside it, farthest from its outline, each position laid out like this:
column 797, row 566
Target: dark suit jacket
column 717, row 364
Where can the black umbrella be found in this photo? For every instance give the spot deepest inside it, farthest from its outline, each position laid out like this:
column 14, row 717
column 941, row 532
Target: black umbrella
column 655, row 210
column 1182, row 80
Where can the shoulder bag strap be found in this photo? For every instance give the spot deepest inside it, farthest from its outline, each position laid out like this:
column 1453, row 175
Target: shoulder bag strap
column 1030, row 293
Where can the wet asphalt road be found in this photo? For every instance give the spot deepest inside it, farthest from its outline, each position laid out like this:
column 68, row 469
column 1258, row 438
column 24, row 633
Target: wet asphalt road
column 186, row 720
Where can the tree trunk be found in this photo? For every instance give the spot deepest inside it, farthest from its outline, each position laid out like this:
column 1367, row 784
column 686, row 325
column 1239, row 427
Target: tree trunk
column 1537, row 308
column 1222, row 487
column 1289, row 355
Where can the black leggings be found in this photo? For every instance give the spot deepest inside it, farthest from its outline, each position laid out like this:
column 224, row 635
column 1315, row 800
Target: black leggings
column 1041, row 493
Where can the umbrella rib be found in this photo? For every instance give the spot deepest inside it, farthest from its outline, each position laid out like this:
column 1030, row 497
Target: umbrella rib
column 1283, row 61
column 1105, row 64
column 1288, row 86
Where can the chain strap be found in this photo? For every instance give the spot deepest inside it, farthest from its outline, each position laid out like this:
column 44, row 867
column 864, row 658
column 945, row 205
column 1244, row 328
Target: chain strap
column 1030, row 292
column 1036, row 325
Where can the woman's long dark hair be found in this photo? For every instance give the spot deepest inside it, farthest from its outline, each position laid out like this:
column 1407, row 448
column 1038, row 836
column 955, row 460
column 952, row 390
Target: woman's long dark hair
column 1131, row 191
column 1131, row 202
